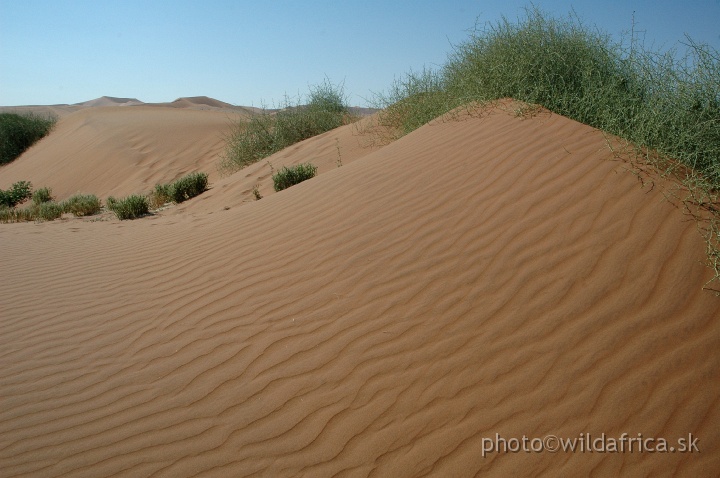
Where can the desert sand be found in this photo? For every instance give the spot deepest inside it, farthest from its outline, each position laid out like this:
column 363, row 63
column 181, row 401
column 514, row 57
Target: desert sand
column 479, row 276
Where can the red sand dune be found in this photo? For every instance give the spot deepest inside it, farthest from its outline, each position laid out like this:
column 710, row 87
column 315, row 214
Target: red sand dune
column 493, row 275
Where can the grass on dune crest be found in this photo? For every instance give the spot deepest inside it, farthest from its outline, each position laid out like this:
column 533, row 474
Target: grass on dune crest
column 271, row 131
column 665, row 106
column 19, row 132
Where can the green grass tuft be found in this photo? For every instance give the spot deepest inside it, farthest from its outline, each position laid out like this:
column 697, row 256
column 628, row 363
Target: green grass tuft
column 188, row 187
column 82, row 205
column 130, row 207
column 289, row 176
column 46, row 211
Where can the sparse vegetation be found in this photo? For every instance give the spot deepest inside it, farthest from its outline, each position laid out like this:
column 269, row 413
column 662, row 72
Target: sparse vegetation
column 19, row 132
column 130, row 207
column 289, row 176
column 256, row 192
column 43, row 207
column 269, row 132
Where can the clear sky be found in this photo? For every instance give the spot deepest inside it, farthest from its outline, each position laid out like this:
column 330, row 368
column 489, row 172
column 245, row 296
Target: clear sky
column 254, row 52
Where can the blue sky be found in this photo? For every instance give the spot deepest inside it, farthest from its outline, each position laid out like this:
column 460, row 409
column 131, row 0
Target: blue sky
column 254, row 52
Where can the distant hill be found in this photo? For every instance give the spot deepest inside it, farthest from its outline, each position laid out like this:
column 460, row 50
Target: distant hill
column 111, row 101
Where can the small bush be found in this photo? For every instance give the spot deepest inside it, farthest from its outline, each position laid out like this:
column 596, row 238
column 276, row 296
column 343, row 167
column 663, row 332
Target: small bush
column 188, row 187
column 42, row 195
column 82, row 205
column 18, row 192
column 131, row 207
column 19, row 132
column 293, row 175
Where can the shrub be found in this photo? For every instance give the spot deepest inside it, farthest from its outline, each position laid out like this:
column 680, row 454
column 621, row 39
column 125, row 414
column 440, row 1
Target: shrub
column 131, row 207
column 188, row 187
column 42, row 195
column 82, row 205
column 19, row 132
column 18, row 192
column 289, row 176
column 268, row 132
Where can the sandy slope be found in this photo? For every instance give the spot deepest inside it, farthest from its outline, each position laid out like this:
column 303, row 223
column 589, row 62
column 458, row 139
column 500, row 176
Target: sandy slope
column 122, row 150
column 494, row 275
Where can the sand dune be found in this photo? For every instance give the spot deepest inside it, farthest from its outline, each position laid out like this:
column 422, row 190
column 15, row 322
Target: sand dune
column 111, row 101
column 194, row 102
column 490, row 275
column 119, row 151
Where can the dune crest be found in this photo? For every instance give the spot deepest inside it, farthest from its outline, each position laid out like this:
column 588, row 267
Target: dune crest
column 494, row 275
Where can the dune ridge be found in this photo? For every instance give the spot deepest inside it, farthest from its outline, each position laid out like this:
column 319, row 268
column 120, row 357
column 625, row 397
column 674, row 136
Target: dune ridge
column 491, row 275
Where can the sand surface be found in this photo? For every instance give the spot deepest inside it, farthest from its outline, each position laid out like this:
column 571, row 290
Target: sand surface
column 494, row 275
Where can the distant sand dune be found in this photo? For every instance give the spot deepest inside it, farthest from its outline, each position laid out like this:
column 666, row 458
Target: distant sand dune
column 119, row 151
column 491, row 275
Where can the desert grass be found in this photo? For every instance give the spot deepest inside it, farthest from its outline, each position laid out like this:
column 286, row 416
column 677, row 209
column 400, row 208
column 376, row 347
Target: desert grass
column 180, row 190
column 44, row 208
column 664, row 105
column 188, row 187
column 290, row 176
column 81, row 205
column 19, row 132
column 271, row 131
column 130, row 207
column 42, row 195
